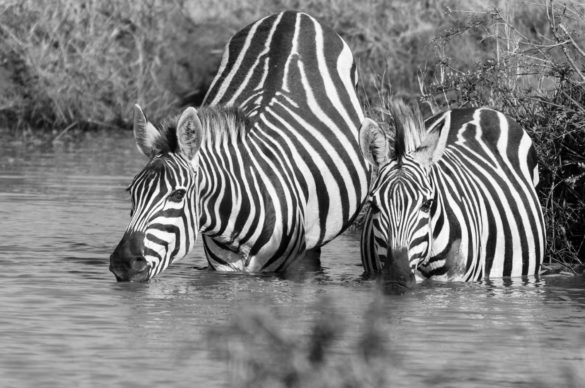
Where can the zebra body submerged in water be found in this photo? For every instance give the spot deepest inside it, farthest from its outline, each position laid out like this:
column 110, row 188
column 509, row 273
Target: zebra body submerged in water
column 267, row 170
column 454, row 200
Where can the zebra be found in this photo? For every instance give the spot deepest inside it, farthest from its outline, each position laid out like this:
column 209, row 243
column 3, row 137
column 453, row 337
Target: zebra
column 454, row 198
column 268, row 169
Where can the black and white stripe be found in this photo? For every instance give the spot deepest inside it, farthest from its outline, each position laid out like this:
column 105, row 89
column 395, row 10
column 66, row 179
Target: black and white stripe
column 456, row 199
column 275, row 149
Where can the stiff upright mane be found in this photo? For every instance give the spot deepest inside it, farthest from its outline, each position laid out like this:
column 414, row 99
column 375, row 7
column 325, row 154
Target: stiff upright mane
column 409, row 126
column 219, row 124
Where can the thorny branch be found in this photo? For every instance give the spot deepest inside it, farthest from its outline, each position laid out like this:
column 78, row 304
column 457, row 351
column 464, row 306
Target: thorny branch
column 563, row 43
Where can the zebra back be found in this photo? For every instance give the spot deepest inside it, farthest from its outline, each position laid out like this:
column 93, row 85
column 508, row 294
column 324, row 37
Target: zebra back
column 294, row 80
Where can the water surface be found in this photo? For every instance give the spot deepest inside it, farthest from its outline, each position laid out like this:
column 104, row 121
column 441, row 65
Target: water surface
column 65, row 321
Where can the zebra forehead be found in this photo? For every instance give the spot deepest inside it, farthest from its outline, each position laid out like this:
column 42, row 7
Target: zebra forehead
column 403, row 185
column 168, row 162
column 404, row 169
column 405, row 179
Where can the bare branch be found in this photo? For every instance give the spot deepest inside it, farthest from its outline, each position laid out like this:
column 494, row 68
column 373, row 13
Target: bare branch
column 579, row 49
column 554, row 29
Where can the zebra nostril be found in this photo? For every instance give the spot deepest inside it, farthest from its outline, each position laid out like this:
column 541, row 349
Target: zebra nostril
column 139, row 264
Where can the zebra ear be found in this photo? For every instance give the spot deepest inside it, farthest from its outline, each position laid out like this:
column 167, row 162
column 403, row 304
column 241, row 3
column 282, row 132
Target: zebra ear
column 189, row 133
column 145, row 134
column 373, row 143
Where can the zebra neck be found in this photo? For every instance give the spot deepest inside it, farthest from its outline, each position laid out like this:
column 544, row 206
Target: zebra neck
column 233, row 188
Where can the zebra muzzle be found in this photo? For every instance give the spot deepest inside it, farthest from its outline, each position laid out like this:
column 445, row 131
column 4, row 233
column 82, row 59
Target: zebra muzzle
column 127, row 262
column 397, row 275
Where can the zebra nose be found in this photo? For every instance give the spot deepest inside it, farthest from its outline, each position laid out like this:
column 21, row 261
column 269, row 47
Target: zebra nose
column 127, row 262
column 133, row 269
column 397, row 274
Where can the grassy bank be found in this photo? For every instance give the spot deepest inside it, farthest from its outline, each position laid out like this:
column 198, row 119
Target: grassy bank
column 65, row 64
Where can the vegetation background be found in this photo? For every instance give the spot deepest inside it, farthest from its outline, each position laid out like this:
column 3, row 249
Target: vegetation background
column 68, row 66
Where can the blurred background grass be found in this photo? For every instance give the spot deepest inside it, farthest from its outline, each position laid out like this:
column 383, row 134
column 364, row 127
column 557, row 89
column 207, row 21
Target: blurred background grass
column 262, row 349
column 67, row 64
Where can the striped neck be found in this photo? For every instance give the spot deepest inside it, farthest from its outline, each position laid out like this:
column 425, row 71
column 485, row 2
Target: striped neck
column 229, row 176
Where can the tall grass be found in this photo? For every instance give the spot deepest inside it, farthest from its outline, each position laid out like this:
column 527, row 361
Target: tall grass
column 84, row 62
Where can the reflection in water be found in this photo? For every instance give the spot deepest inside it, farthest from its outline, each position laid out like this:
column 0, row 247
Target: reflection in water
column 65, row 321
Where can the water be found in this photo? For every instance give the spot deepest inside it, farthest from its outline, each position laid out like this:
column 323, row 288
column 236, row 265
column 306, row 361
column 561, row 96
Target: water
column 64, row 321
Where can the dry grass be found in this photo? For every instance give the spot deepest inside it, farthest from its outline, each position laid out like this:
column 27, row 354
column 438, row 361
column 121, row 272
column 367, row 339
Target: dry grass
column 85, row 62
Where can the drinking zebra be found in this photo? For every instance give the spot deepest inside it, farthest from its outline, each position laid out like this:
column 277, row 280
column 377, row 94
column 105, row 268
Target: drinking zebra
column 268, row 170
column 454, row 199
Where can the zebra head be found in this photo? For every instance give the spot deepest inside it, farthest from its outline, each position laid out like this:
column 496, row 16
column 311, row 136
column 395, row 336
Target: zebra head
column 397, row 232
column 164, row 215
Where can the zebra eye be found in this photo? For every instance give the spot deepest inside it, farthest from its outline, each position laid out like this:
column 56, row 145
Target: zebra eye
column 426, row 206
column 177, row 195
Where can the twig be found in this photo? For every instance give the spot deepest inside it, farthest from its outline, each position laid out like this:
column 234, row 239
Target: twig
column 7, row 106
column 65, row 130
column 562, row 27
column 550, row 45
column 554, row 29
column 573, row 100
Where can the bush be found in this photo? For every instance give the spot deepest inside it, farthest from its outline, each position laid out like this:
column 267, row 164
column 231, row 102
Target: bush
column 533, row 73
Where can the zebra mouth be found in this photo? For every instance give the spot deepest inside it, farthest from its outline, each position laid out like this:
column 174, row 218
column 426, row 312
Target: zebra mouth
column 394, row 287
column 140, row 274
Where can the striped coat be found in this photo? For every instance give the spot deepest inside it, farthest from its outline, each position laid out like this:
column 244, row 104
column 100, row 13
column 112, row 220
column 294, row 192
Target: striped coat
column 274, row 148
column 455, row 200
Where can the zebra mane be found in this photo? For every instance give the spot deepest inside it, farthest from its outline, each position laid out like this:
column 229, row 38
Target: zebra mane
column 409, row 126
column 222, row 123
column 219, row 124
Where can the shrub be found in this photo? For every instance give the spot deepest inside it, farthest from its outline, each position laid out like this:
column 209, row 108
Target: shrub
column 534, row 73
